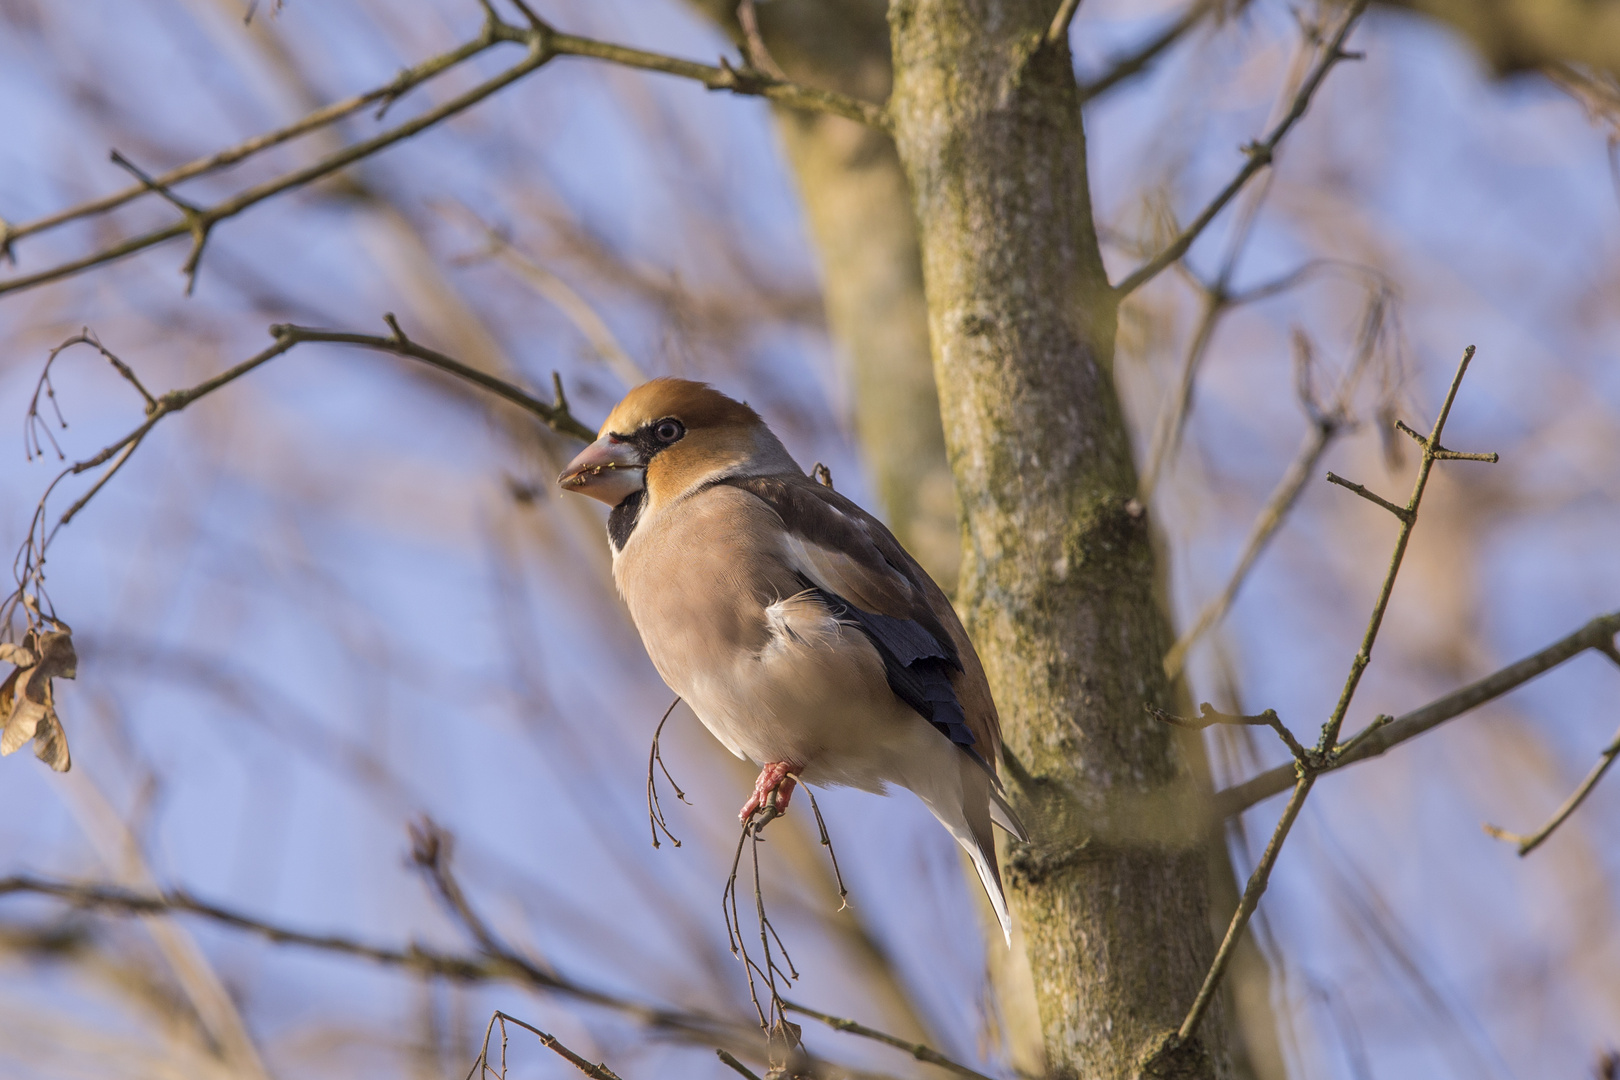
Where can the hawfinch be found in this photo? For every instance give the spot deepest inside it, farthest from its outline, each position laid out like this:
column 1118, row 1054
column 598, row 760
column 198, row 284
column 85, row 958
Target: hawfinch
column 789, row 619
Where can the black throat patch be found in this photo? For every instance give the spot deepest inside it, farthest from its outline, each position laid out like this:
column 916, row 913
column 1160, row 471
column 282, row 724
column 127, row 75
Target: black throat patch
column 622, row 522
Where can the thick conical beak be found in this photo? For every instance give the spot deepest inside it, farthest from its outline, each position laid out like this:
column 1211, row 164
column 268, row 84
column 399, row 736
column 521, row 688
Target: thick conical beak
column 608, row 470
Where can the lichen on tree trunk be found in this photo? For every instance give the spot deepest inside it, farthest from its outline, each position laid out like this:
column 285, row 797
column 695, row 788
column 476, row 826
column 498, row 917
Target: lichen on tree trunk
column 1057, row 582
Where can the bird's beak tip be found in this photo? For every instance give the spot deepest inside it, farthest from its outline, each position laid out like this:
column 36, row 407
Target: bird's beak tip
column 605, row 470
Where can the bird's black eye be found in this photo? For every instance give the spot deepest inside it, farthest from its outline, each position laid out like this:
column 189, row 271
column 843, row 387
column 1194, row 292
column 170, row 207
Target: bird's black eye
column 668, row 430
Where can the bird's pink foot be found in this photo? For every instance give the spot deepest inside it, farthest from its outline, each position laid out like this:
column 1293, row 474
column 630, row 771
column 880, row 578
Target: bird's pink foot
column 777, row 776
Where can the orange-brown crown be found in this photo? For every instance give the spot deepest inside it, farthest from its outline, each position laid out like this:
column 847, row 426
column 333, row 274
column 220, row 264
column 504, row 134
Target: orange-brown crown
column 694, row 404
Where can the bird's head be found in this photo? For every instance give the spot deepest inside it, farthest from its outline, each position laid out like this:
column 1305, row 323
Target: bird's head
column 668, row 436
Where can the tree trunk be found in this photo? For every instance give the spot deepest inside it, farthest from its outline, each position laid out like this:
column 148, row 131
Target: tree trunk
column 1057, row 582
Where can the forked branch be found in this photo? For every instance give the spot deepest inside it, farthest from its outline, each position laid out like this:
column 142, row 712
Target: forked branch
column 1311, row 763
column 917, row 1050
column 1209, row 717
column 481, row 1064
column 543, row 44
column 1385, row 732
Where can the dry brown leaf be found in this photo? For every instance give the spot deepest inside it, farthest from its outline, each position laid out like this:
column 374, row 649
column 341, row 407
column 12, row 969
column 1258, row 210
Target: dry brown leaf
column 17, row 654
column 27, row 703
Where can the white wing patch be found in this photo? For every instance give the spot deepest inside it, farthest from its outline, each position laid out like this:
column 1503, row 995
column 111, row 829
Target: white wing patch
column 800, row 619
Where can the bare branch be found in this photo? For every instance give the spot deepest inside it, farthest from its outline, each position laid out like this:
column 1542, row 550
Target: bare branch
column 1252, row 892
column 916, row 1050
column 747, row 81
column 754, row 44
column 1131, row 64
column 430, row 851
column 407, row 79
column 1599, row 634
column 332, row 163
column 1310, row 764
column 1265, row 526
column 1442, row 454
column 197, row 222
column 1061, row 20
column 735, row 1065
column 543, row 44
column 655, row 756
column 1527, row 844
column 1260, row 155
column 114, row 899
column 1208, row 717
column 772, row 1015
column 1378, row 500
column 550, row 1042
column 826, row 842
column 31, row 557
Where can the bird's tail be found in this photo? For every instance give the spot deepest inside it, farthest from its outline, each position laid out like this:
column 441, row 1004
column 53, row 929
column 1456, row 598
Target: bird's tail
column 981, row 848
column 965, row 810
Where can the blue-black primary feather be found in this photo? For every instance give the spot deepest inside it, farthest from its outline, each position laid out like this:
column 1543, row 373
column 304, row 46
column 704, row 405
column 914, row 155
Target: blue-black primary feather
column 917, row 665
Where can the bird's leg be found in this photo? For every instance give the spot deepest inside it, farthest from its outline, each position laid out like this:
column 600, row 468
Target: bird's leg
column 777, row 776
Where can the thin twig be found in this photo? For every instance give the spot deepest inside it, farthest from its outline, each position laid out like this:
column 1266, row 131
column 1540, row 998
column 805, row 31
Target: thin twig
column 554, row 415
column 1527, row 844
column 1400, row 512
column 1265, row 526
column 86, row 337
column 735, row 1065
column 430, row 851
column 101, row 481
column 917, row 1050
column 1136, row 62
column 1259, row 154
column 1064, row 17
column 754, row 49
column 1171, row 421
column 725, row 77
column 1330, row 730
column 258, row 193
column 772, row 1018
column 1252, row 892
column 1218, row 302
column 34, row 424
column 550, row 1042
column 655, row 811
column 826, row 842
column 197, row 221
column 1208, row 717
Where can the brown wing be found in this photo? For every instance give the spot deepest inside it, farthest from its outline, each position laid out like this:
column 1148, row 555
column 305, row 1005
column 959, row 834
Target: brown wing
column 843, row 551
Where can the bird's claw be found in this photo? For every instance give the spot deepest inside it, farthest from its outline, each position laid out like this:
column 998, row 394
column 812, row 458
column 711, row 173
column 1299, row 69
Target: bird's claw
column 773, row 789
